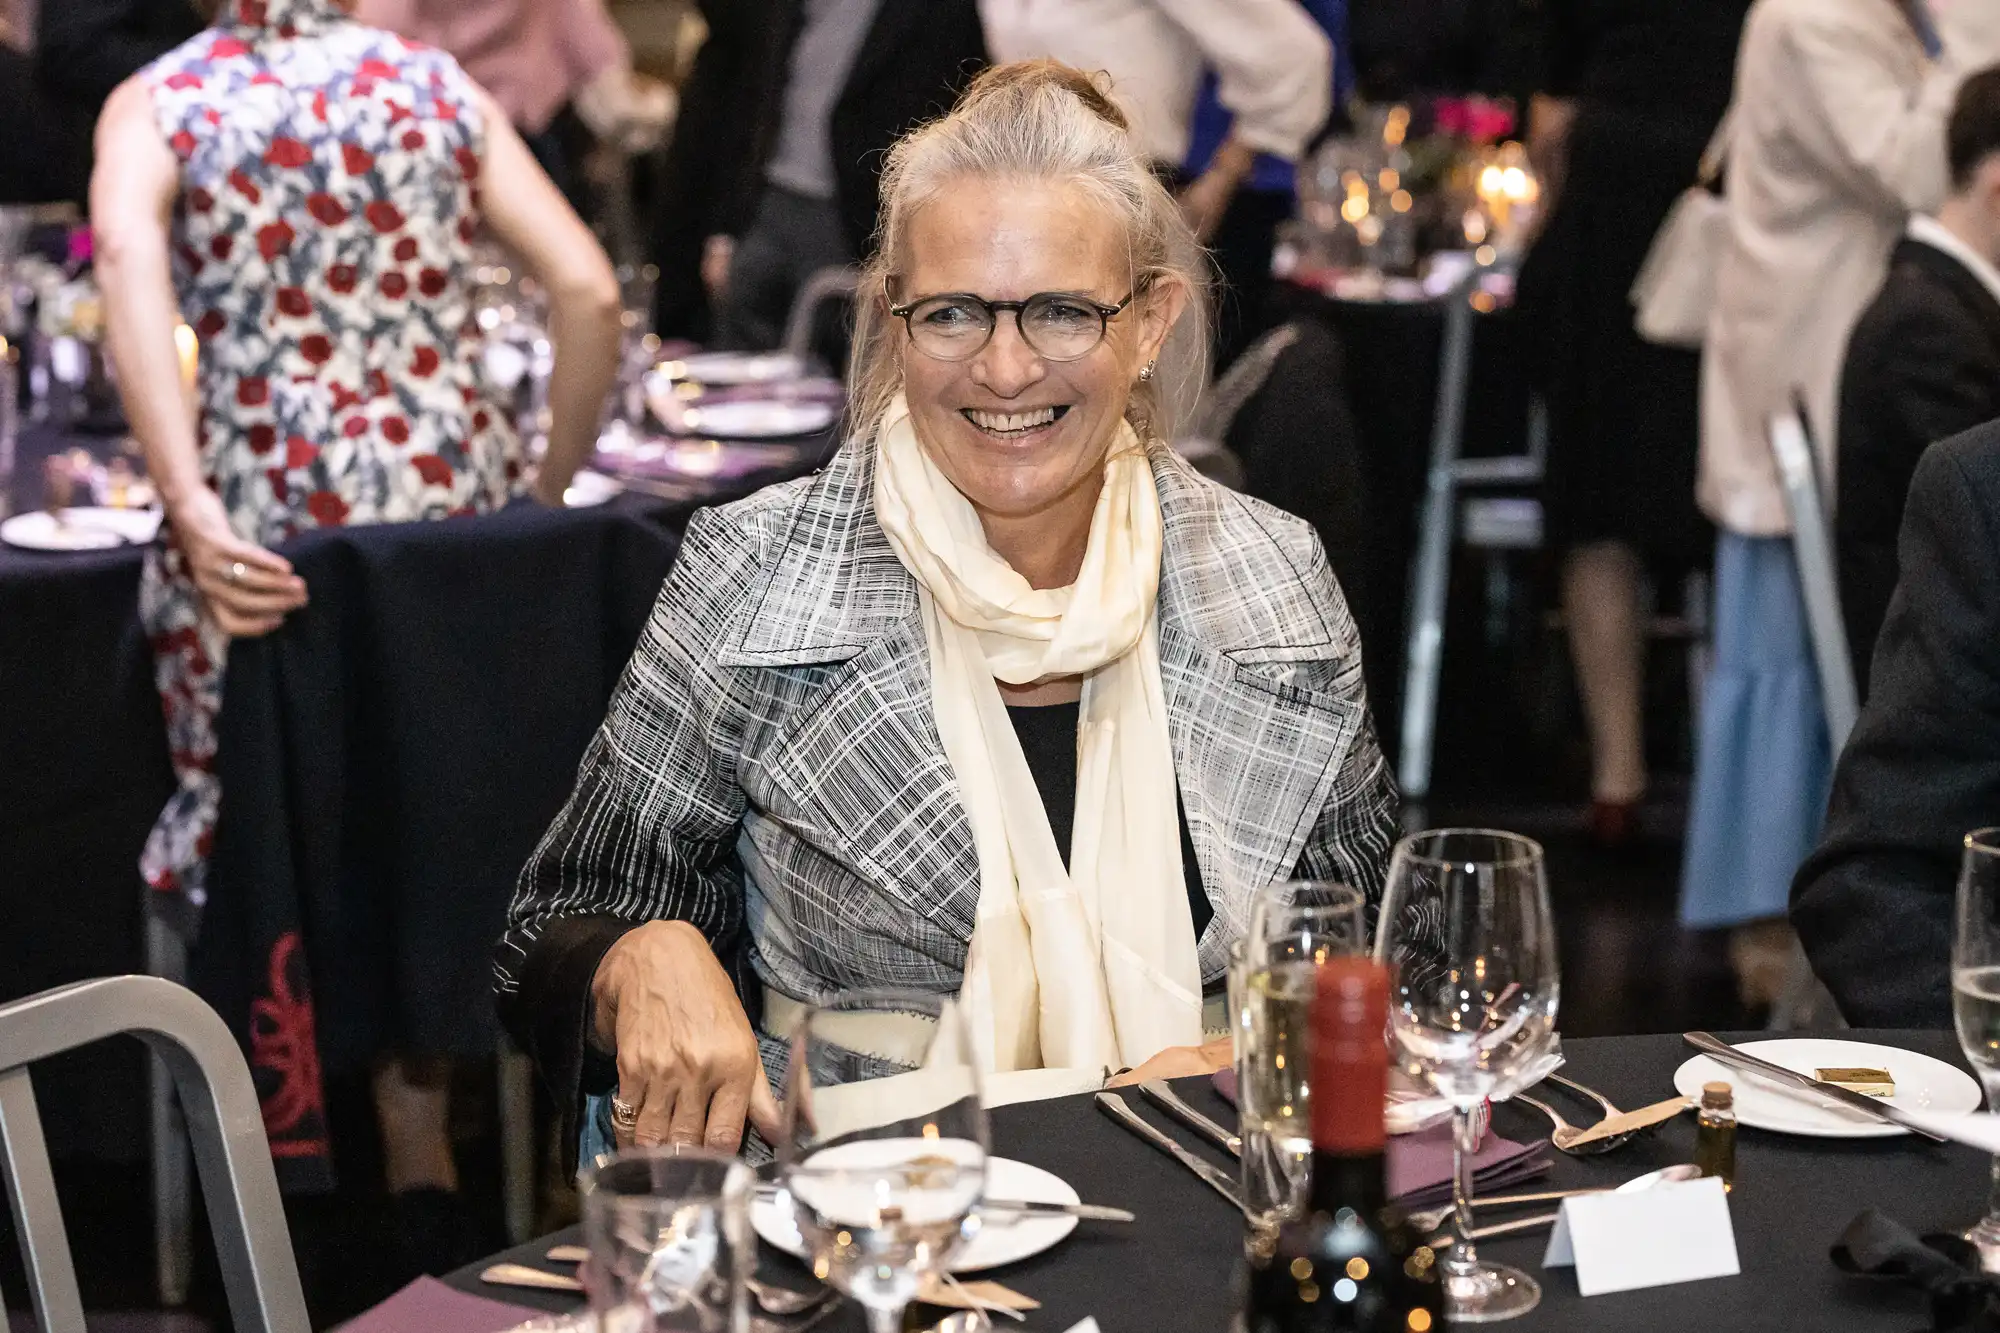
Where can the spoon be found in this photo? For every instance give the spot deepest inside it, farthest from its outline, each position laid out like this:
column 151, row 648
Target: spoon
column 1565, row 1134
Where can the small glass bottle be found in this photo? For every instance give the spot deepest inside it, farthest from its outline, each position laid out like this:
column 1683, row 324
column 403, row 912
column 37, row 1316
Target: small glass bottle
column 1715, row 1134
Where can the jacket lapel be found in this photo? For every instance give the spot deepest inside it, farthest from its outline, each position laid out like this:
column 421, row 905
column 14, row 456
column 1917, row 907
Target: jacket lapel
column 854, row 761
column 1244, row 649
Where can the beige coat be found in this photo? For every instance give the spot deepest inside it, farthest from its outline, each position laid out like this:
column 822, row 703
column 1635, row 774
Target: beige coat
column 1839, row 136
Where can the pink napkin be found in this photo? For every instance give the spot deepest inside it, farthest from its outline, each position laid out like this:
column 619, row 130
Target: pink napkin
column 429, row 1306
column 1420, row 1163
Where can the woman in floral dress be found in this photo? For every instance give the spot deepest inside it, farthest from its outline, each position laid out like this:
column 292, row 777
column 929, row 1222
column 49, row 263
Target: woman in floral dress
column 304, row 190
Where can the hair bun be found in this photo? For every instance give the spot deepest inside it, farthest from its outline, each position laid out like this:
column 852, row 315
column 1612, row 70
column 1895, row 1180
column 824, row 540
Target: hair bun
column 1024, row 78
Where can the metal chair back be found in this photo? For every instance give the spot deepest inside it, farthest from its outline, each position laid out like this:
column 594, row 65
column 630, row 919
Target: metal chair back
column 224, row 1122
column 1812, row 548
column 837, row 283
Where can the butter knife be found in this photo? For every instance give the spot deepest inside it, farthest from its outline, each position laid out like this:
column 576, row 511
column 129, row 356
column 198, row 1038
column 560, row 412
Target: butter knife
column 1715, row 1048
column 1214, row 1177
column 1170, row 1101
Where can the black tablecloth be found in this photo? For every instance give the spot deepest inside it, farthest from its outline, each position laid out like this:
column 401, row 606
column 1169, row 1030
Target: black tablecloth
column 388, row 760
column 1176, row 1267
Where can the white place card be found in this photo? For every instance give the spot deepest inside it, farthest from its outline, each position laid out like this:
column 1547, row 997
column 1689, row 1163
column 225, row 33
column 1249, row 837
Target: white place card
column 1675, row 1232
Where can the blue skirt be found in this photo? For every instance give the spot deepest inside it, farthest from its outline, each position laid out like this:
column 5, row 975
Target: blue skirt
column 1762, row 767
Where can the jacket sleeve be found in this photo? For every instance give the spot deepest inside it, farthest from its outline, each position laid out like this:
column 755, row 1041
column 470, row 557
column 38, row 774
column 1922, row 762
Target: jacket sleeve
column 1873, row 905
column 1273, row 67
column 649, row 831
column 1352, row 835
column 1855, row 116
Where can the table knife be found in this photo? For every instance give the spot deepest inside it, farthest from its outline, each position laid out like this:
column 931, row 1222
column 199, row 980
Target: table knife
column 1213, row 1176
column 1088, row 1212
column 1170, row 1101
column 1717, row 1049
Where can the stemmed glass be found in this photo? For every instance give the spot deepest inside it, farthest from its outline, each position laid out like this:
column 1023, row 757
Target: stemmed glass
column 1469, row 938
column 1975, row 1000
column 1294, row 926
column 884, row 1145
column 668, row 1231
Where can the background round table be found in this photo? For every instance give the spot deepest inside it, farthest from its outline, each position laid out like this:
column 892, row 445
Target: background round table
column 1176, row 1267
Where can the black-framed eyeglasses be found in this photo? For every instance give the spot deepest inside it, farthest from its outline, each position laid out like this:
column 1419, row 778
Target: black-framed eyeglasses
column 1057, row 326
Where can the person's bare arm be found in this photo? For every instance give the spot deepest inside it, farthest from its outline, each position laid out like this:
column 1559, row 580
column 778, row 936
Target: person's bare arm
column 530, row 217
column 132, row 194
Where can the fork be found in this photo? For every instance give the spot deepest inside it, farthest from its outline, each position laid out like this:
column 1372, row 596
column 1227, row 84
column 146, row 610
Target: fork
column 1565, row 1134
column 1591, row 1093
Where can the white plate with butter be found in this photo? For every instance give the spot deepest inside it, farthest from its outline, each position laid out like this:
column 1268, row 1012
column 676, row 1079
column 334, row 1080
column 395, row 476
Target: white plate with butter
column 1761, row 1103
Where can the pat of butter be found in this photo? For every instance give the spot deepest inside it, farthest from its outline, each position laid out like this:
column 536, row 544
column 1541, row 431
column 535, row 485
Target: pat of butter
column 1873, row 1082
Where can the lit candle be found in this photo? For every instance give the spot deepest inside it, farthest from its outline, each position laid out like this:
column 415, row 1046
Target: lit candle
column 189, row 348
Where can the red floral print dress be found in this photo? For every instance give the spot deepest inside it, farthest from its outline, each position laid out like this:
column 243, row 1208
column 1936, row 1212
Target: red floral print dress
column 329, row 195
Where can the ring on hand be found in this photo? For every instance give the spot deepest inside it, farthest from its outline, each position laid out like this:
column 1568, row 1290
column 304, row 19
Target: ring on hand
column 623, row 1115
column 235, row 572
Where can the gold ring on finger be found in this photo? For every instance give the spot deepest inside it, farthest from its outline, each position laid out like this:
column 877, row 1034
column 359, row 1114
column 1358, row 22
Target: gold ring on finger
column 235, row 572
column 623, row 1114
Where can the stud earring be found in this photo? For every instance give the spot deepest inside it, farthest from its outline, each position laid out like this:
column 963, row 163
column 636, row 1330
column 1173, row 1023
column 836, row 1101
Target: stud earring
column 1146, row 373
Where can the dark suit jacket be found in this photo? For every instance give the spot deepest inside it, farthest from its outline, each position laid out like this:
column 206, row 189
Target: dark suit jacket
column 1923, row 364
column 1873, row 904
column 917, row 57
column 83, row 50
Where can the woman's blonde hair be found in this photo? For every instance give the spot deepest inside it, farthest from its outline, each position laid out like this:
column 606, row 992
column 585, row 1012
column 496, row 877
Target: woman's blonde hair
column 1039, row 120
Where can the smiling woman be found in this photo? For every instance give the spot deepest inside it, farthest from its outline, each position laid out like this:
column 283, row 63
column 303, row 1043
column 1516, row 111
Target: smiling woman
column 1007, row 703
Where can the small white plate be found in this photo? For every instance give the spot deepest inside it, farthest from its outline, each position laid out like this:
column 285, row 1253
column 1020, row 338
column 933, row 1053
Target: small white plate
column 84, row 528
column 588, row 488
column 1762, row 1103
column 1003, row 1238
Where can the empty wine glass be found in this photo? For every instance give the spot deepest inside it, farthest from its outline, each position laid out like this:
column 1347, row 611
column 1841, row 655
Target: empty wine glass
column 668, row 1231
column 1975, row 1000
column 884, row 1146
column 1469, row 938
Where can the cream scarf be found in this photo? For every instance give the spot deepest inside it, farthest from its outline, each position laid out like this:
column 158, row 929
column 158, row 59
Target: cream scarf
column 1095, row 967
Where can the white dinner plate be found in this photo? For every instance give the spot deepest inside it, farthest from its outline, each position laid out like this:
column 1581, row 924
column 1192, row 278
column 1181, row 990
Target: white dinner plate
column 761, row 419
column 1003, row 1238
column 83, row 528
column 1762, row 1103
column 736, row 367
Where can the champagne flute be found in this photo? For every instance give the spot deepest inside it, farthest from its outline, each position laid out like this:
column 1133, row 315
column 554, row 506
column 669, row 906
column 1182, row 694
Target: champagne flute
column 884, row 1144
column 1294, row 927
column 1975, row 1000
column 1469, row 938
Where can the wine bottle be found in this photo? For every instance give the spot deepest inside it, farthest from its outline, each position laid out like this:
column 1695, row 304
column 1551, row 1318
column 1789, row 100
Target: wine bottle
column 1351, row 1262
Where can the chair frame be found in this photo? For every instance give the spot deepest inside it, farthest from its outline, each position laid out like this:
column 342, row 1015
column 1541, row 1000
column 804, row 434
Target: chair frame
column 224, row 1121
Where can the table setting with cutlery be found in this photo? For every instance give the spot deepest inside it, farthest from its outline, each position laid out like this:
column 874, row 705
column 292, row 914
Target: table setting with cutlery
column 1154, row 1205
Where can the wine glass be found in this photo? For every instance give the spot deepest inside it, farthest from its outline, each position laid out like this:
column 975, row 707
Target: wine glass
column 1468, row 936
column 884, row 1145
column 1294, row 926
column 668, row 1231
column 1975, row 999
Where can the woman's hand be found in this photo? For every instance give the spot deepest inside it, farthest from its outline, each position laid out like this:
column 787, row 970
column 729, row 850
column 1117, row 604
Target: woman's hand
column 248, row 589
column 686, row 1055
column 1180, row 1062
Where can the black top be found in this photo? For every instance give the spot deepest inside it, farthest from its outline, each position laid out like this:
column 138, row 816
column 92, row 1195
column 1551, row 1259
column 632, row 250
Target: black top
column 1873, row 906
column 1048, row 739
column 1922, row 365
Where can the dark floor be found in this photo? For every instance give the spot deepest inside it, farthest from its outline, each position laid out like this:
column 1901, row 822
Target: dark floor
column 1510, row 755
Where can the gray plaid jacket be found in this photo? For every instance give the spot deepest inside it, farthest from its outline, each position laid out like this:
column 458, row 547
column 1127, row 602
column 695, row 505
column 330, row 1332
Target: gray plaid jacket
column 771, row 772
